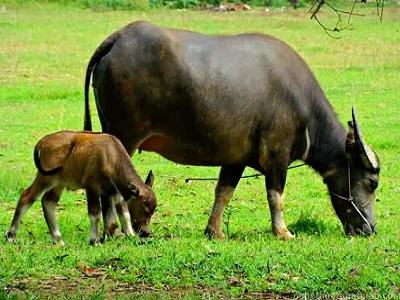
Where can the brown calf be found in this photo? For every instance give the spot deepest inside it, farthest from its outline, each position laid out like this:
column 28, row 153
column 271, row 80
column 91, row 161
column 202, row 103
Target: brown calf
column 98, row 163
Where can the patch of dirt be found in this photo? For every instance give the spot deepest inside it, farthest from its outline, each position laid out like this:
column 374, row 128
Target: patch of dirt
column 58, row 287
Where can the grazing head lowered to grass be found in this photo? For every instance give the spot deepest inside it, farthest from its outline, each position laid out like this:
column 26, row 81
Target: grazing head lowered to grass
column 96, row 162
column 230, row 101
column 352, row 185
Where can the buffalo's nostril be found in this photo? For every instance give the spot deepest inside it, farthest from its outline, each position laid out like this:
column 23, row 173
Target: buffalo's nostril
column 364, row 230
column 368, row 230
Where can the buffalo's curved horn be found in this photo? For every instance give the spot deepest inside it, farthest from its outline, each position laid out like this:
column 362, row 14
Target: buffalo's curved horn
column 368, row 157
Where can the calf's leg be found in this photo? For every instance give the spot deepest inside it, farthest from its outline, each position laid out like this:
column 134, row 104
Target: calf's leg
column 28, row 196
column 109, row 216
column 111, row 206
column 124, row 204
column 49, row 205
column 228, row 179
column 94, row 211
column 124, row 216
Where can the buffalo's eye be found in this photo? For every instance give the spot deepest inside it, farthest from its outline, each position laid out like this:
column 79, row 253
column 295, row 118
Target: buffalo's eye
column 373, row 184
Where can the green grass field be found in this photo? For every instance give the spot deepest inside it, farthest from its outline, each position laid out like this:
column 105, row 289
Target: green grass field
column 44, row 50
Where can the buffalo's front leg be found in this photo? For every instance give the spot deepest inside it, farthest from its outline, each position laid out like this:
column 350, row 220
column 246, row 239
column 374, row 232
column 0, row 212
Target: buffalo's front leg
column 275, row 182
column 276, row 204
column 228, row 179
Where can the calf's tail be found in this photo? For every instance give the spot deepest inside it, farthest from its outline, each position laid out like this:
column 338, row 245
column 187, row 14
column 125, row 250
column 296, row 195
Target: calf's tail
column 36, row 158
column 99, row 53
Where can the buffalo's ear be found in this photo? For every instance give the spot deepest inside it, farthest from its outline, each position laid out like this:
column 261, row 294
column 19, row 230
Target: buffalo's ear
column 149, row 179
column 350, row 140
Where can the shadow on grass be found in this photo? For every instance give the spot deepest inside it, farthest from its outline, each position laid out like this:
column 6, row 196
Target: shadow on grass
column 309, row 224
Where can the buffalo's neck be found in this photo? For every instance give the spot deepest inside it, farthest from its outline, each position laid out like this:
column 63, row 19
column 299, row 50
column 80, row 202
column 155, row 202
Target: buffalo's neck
column 328, row 137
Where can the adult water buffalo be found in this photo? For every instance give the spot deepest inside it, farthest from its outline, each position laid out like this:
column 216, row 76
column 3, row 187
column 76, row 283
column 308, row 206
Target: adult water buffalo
column 230, row 101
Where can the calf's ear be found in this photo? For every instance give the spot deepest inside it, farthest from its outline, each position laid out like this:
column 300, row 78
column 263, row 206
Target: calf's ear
column 149, row 179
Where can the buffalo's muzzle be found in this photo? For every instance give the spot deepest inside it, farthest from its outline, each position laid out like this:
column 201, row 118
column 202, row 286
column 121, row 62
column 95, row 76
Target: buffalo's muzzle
column 364, row 230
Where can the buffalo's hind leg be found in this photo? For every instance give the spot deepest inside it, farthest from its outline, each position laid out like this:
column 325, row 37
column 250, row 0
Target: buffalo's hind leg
column 228, row 179
column 275, row 178
column 49, row 205
column 28, row 196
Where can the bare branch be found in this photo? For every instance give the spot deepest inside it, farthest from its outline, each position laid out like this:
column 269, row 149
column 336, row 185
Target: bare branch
column 380, row 4
column 318, row 4
column 351, row 12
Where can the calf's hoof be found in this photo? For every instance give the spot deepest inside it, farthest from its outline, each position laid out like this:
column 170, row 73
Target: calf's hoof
column 283, row 233
column 94, row 242
column 130, row 234
column 111, row 228
column 10, row 237
column 106, row 237
column 211, row 233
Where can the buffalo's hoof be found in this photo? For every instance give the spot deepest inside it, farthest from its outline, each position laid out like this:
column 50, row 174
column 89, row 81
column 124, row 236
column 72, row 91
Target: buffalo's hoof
column 10, row 237
column 211, row 233
column 283, row 234
column 58, row 242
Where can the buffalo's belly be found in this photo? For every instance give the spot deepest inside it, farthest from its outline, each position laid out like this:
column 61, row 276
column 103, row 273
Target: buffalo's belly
column 195, row 152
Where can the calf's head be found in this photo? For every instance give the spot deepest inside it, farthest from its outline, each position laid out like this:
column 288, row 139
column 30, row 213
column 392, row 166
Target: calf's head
column 142, row 206
column 353, row 184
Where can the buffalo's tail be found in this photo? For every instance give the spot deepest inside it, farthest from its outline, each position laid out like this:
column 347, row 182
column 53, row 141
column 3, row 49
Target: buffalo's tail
column 99, row 53
column 36, row 158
